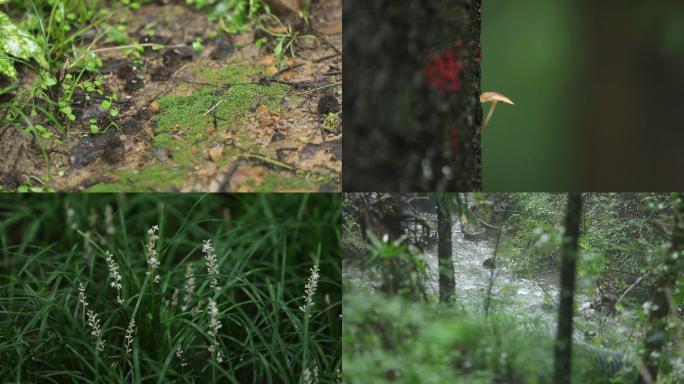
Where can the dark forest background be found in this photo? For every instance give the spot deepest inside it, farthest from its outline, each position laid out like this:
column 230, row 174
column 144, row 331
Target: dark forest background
column 595, row 85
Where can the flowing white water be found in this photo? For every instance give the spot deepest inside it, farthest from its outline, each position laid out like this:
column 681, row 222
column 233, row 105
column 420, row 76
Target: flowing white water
column 536, row 297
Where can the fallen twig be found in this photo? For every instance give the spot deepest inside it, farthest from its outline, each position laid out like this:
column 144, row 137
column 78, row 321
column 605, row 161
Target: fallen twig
column 214, row 107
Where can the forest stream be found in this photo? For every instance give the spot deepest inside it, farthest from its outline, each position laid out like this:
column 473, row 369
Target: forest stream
column 534, row 296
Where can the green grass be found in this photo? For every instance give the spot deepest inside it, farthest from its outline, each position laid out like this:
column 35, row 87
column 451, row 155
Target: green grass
column 266, row 245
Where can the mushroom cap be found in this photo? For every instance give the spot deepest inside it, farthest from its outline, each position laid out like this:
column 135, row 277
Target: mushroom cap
column 490, row 97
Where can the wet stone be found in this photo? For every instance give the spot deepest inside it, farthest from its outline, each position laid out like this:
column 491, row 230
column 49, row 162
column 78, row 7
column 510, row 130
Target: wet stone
column 143, row 113
column 134, row 83
column 278, row 137
column 161, row 73
column 112, row 66
column 310, row 150
column 10, row 181
column 224, row 48
column 328, row 104
column 130, row 125
column 175, row 56
column 126, row 71
column 107, row 146
column 94, row 111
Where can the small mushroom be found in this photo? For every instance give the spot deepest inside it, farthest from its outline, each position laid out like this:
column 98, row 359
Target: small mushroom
column 494, row 98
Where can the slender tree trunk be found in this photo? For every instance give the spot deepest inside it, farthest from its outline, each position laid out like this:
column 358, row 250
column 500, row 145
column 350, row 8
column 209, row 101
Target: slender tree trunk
column 491, row 273
column 411, row 102
column 662, row 298
column 563, row 348
column 444, row 250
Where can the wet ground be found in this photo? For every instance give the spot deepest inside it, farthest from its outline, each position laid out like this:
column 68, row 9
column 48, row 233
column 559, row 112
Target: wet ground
column 228, row 117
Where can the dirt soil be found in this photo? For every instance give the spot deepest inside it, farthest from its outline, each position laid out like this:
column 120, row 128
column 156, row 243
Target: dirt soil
column 228, row 118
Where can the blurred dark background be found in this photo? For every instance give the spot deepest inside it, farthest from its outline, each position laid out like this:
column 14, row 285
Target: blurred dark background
column 598, row 91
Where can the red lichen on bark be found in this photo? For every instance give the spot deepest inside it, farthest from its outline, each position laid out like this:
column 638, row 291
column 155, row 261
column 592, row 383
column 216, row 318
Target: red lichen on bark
column 443, row 71
column 454, row 138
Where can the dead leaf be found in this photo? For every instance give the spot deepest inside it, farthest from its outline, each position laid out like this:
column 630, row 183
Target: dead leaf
column 271, row 70
column 266, row 59
column 206, row 170
column 243, row 174
column 215, row 154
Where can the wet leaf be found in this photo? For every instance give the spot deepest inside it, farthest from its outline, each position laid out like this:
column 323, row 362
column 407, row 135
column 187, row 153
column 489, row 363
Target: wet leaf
column 215, row 154
column 19, row 43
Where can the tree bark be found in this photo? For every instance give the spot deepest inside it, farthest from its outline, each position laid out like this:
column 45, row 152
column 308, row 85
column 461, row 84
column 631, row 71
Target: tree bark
column 411, row 95
column 488, row 298
column 563, row 348
column 661, row 304
column 444, row 250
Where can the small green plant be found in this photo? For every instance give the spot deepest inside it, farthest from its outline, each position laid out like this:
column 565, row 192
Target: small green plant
column 197, row 45
column 400, row 269
column 285, row 41
column 17, row 43
column 232, row 15
column 330, row 121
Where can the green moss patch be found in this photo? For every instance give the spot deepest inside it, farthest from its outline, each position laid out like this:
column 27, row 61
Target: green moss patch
column 198, row 118
column 187, row 126
column 275, row 181
column 151, row 178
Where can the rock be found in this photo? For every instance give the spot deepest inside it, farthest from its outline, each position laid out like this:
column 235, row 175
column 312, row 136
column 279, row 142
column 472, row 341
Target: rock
column 328, row 104
column 224, row 48
column 134, row 83
column 285, row 6
column 173, row 57
column 130, row 125
column 112, row 66
column 126, row 71
column 333, row 147
column 488, row 263
column 107, row 146
column 278, row 137
column 161, row 73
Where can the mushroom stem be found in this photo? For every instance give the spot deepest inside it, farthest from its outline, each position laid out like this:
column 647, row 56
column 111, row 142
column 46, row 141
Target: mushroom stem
column 489, row 117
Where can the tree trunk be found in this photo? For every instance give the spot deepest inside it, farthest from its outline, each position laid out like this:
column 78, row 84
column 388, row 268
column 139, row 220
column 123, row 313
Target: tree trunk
column 488, row 298
column 444, row 256
column 661, row 305
column 411, row 102
column 563, row 348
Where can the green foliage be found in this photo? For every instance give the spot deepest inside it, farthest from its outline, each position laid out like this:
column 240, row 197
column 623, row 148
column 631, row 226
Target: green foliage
column 621, row 235
column 390, row 340
column 401, row 270
column 264, row 246
column 18, row 43
column 232, row 15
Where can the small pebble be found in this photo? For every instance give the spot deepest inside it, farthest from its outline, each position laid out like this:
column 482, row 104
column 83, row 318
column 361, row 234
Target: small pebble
column 328, row 104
